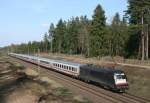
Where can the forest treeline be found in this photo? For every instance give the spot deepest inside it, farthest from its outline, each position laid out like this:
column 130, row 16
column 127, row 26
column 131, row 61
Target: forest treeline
column 94, row 37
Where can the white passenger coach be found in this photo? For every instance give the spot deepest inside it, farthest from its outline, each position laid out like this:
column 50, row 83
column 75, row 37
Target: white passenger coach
column 66, row 67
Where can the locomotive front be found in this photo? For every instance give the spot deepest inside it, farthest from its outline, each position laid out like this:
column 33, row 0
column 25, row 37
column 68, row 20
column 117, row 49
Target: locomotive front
column 121, row 81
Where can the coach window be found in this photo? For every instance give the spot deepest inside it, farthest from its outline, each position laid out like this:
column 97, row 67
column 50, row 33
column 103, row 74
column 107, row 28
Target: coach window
column 69, row 68
column 75, row 69
column 64, row 67
column 72, row 68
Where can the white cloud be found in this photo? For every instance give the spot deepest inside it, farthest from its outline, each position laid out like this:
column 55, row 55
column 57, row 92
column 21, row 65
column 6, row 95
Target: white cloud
column 45, row 25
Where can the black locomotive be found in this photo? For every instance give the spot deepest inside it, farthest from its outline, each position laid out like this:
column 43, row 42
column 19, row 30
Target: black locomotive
column 105, row 76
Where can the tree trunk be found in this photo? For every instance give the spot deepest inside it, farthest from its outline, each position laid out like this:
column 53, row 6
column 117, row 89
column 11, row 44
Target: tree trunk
column 142, row 39
column 51, row 46
column 146, row 42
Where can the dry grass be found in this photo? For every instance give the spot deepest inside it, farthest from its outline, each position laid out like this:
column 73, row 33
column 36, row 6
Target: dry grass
column 30, row 72
column 50, row 82
column 139, row 81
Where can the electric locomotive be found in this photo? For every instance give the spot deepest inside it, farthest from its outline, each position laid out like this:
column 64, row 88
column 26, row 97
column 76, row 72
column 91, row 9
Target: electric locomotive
column 105, row 76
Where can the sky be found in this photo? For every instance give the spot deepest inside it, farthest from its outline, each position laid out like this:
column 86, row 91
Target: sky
column 27, row 20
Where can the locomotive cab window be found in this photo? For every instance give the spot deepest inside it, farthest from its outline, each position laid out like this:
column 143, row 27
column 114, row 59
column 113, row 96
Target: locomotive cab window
column 120, row 76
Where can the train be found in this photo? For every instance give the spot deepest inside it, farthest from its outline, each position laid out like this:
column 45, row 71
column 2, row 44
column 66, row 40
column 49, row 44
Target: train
column 111, row 78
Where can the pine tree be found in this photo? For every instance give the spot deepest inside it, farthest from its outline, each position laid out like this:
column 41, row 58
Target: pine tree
column 139, row 14
column 72, row 35
column 118, row 35
column 58, row 37
column 51, row 34
column 46, row 41
column 135, row 10
column 97, row 32
column 83, row 37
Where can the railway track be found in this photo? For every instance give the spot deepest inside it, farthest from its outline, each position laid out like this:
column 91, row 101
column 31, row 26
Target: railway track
column 142, row 100
column 98, row 92
column 113, row 97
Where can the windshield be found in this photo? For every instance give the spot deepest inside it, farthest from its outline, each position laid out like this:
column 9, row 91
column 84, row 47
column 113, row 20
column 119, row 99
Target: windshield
column 120, row 76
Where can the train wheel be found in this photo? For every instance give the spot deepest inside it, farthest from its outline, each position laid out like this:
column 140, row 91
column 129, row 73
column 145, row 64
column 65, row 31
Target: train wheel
column 87, row 81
